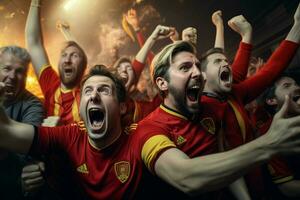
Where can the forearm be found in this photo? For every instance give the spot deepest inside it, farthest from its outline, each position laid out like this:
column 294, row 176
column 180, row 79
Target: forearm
column 291, row 188
column 33, row 32
column 247, row 37
column 34, row 38
column 239, row 189
column 241, row 62
column 219, row 41
column 294, row 34
column 67, row 35
column 211, row 172
column 141, row 41
column 142, row 54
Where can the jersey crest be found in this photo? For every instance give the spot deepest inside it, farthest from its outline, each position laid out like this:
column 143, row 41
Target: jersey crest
column 122, row 170
column 209, row 125
column 180, row 140
column 83, row 169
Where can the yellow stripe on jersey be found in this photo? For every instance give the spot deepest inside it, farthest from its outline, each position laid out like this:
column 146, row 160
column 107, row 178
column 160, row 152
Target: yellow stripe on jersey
column 44, row 66
column 56, row 102
column 153, row 146
column 283, row 180
column 75, row 111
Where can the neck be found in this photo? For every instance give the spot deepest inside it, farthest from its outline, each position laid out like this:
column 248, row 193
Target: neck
column 65, row 87
column 208, row 89
column 103, row 143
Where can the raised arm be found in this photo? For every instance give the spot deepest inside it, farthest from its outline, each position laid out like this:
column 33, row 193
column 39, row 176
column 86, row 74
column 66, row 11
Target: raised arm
column 294, row 34
column 240, row 64
column 212, row 172
column 217, row 20
column 34, row 38
column 276, row 64
column 14, row 136
column 159, row 33
column 132, row 19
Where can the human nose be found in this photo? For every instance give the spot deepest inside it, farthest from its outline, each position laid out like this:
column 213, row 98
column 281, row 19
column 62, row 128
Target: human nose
column 67, row 58
column 95, row 97
column 196, row 71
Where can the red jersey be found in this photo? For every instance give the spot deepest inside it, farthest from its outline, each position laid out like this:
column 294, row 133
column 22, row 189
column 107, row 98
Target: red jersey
column 241, row 62
column 111, row 173
column 138, row 110
column 59, row 102
column 237, row 126
column 165, row 128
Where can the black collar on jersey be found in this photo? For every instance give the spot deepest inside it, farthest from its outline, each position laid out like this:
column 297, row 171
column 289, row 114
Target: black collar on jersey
column 178, row 114
column 212, row 95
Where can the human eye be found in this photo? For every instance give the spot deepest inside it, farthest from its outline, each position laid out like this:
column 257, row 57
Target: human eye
column 5, row 69
column 286, row 85
column 185, row 67
column 88, row 91
column 75, row 55
column 106, row 90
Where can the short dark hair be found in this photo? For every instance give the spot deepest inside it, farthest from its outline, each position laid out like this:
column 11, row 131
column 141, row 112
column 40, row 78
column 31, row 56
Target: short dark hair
column 208, row 53
column 102, row 70
column 269, row 93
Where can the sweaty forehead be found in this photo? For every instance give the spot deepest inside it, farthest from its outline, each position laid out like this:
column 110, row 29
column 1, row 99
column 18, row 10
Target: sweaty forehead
column 98, row 80
column 125, row 64
column 216, row 56
column 9, row 59
column 71, row 49
column 185, row 57
column 284, row 79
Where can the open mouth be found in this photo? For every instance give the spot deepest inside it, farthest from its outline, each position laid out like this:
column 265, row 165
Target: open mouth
column 9, row 88
column 68, row 71
column 96, row 117
column 225, row 76
column 296, row 98
column 193, row 93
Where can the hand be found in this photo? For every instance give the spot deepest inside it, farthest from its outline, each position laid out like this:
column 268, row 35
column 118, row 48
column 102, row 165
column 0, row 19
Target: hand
column 162, row 32
column 32, row 177
column 284, row 133
column 259, row 63
column 51, row 121
column 216, row 18
column 61, row 25
column 297, row 14
column 175, row 36
column 240, row 25
column 132, row 19
column 190, row 34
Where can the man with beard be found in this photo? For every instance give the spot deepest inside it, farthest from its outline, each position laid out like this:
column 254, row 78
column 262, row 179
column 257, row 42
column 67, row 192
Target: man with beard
column 108, row 162
column 284, row 171
column 172, row 136
column 61, row 92
column 231, row 98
